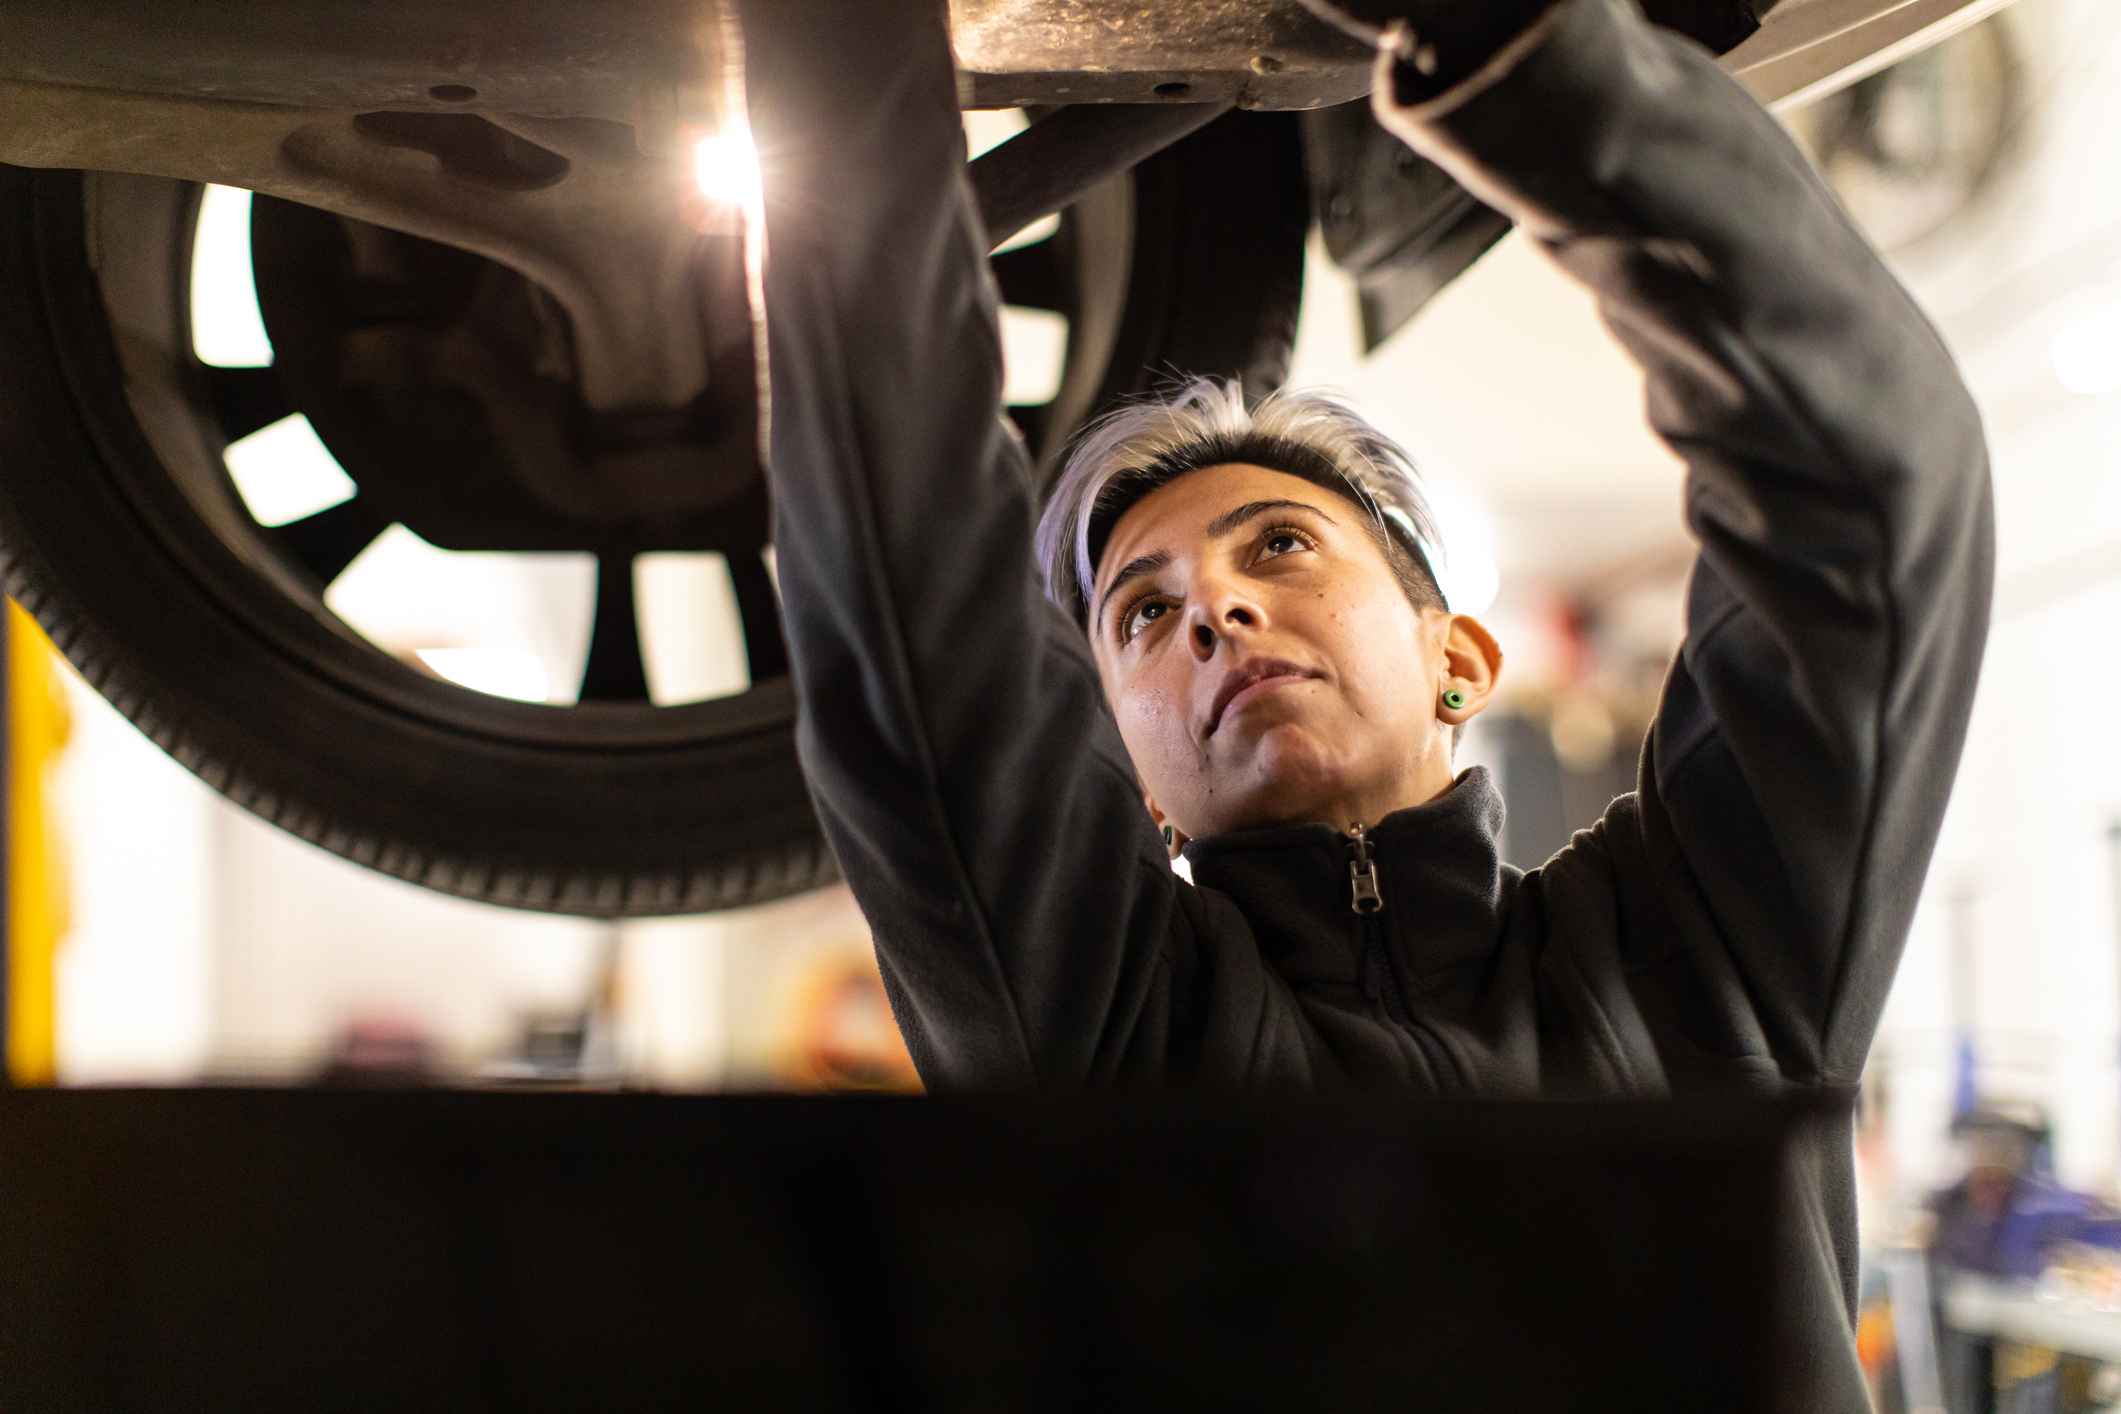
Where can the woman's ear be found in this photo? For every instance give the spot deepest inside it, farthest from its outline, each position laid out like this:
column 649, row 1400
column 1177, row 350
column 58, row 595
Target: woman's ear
column 1472, row 666
column 1174, row 838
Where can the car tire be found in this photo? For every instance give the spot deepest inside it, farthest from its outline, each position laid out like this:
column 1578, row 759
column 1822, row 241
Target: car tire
column 581, row 810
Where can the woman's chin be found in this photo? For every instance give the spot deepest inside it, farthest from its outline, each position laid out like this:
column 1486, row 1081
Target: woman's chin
column 1293, row 773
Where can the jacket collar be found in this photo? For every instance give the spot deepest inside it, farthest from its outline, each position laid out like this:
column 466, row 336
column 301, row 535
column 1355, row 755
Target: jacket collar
column 1437, row 864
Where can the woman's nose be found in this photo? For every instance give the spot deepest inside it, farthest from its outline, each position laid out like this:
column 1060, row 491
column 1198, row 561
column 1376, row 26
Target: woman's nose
column 1220, row 613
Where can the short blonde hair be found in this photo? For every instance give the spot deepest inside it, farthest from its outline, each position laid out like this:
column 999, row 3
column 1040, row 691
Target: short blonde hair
column 1203, row 422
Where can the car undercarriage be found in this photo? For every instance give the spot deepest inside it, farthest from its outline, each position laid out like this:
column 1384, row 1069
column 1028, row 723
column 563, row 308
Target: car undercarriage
column 492, row 284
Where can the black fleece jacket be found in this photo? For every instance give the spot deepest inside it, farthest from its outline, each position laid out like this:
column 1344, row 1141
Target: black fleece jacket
column 1734, row 922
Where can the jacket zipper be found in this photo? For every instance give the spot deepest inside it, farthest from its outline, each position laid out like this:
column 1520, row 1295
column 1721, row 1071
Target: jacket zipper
column 1367, row 900
column 1365, row 896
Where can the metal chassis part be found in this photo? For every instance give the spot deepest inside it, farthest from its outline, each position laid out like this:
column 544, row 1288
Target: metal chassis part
column 641, row 62
column 1805, row 49
column 554, row 137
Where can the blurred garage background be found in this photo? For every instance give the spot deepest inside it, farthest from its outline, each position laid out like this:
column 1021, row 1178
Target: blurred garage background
column 158, row 934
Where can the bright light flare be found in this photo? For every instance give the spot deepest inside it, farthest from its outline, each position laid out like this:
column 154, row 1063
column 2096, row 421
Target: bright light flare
column 726, row 167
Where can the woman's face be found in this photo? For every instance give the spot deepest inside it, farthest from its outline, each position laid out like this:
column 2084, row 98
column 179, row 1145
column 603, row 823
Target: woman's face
column 1265, row 665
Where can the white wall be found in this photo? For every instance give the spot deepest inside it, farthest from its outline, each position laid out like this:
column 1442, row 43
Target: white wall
column 309, row 943
column 2025, row 845
column 135, row 970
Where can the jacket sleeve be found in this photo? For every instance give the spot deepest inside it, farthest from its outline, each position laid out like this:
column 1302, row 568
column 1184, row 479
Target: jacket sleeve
column 1837, row 483
column 970, row 782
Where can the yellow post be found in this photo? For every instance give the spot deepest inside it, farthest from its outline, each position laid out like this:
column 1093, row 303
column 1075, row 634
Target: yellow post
column 37, row 725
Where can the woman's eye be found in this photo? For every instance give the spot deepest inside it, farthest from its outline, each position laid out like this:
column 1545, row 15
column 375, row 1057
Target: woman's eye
column 1141, row 616
column 1282, row 542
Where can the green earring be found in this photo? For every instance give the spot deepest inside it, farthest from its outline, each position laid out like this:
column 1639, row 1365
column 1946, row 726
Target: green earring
column 1170, row 835
column 1453, row 698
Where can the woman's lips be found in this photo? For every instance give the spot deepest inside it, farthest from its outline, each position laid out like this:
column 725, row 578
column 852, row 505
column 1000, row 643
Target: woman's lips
column 1258, row 688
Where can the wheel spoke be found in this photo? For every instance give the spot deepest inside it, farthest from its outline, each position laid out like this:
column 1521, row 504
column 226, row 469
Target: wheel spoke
column 1030, row 276
column 327, row 542
column 760, row 610
column 246, row 399
column 615, row 671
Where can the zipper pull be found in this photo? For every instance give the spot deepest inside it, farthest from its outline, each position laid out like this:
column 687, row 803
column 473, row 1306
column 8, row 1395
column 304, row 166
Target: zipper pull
column 1362, row 873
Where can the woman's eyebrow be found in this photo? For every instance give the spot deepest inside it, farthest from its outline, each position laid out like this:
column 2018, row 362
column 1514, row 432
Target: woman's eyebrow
column 1230, row 520
column 1220, row 526
column 1133, row 569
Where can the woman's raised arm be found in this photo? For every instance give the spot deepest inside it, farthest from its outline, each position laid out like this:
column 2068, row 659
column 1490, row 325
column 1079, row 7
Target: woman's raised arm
column 976, row 793
column 1837, row 480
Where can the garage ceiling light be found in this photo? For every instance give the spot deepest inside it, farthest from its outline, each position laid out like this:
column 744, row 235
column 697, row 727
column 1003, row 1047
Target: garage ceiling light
column 726, row 166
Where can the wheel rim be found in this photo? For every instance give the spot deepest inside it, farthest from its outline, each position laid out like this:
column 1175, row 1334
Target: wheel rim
column 191, row 412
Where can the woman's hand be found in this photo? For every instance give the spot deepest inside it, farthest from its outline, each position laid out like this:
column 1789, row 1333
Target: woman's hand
column 1425, row 51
